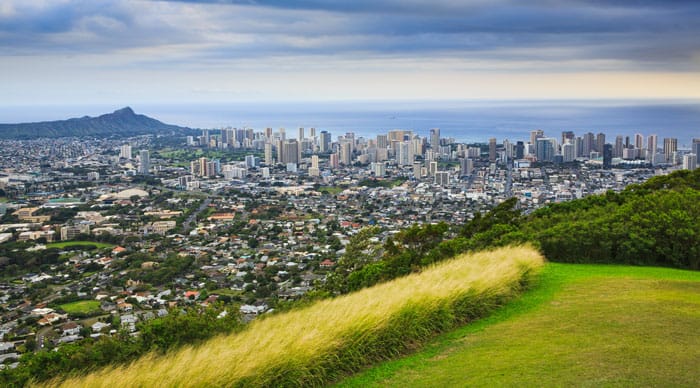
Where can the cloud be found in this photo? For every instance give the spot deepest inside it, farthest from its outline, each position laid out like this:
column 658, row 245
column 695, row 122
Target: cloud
column 645, row 31
column 115, row 39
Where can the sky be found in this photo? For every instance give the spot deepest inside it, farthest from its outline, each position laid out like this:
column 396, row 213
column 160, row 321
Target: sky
column 75, row 52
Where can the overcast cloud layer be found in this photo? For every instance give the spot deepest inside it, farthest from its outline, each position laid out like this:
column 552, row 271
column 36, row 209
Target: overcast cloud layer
column 112, row 51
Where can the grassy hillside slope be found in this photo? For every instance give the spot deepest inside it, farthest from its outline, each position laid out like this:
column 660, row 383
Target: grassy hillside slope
column 580, row 325
column 318, row 344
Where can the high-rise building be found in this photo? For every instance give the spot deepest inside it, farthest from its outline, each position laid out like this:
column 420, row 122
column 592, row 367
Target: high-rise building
column 432, row 168
column 607, row 156
column 638, row 141
column 290, row 152
column 600, row 142
column 312, row 132
column 670, row 149
column 300, row 134
column 378, row 169
column 345, row 156
column 251, row 161
column 546, row 149
column 466, row 167
column 404, row 157
column 519, row 150
column 324, row 144
column 492, row 149
column 690, row 161
column 619, row 145
column 399, row 135
column 417, row 170
column 567, row 135
column 203, row 167
column 568, row 152
column 125, row 151
column 534, row 135
column 588, row 144
column 333, row 161
column 314, row 169
column 268, row 153
column 652, row 144
column 442, row 178
column 434, row 137
column 508, row 149
column 145, row 162
column 696, row 146
column 382, row 141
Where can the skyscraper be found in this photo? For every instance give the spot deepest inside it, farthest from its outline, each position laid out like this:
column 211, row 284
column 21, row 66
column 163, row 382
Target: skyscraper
column 405, row 155
column 345, row 156
column 567, row 135
column 607, row 156
column 125, row 151
column 638, row 141
column 588, row 144
column 519, row 150
column 652, row 144
column 600, row 142
column 492, row 149
column 690, row 161
column 145, row 162
column 670, row 148
column 434, row 137
column 466, row 166
column 382, row 141
column 324, row 144
column 617, row 151
column 696, row 147
column 268, row 153
column 291, row 152
column 546, row 149
column 568, row 152
column 534, row 135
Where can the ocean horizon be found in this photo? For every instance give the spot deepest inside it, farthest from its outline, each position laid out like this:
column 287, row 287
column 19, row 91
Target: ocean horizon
column 465, row 121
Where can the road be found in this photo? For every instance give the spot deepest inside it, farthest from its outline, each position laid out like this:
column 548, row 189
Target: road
column 187, row 225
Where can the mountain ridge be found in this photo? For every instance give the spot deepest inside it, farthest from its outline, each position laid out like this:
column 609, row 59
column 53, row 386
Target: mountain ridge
column 122, row 122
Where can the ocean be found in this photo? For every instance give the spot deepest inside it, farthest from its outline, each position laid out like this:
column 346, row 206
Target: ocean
column 465, row 121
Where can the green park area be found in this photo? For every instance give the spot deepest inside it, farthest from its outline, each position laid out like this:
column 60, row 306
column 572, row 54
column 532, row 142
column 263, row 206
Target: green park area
column 580, row 325
column 81, row 307
column 70, row 244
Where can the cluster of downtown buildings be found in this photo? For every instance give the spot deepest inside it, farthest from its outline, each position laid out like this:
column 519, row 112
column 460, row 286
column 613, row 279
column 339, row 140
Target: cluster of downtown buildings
column 442, row 159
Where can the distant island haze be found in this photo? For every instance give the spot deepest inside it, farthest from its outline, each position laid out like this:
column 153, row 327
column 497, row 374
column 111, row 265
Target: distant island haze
column 465, row 121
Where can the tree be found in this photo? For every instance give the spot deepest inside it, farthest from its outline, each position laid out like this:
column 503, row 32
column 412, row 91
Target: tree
column 360, row 251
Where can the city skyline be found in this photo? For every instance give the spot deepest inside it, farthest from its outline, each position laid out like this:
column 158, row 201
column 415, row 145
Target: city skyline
column 130, row 52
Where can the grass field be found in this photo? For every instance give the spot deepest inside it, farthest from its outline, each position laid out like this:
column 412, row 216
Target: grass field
column 580, row 325
column 81, row 307
column 332, row 190
column 65, row 244
column 318, row 344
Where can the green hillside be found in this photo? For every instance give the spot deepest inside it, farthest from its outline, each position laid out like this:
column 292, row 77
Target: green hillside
column 580, row 325
column 123, row 122
column 334, row 337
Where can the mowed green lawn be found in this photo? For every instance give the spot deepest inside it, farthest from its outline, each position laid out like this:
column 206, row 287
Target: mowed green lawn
column 65, row 244
column 81, row 307
column 580, row 325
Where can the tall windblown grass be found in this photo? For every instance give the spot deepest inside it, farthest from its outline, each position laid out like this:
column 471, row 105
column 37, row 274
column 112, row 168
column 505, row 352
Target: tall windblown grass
column 318, row 344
